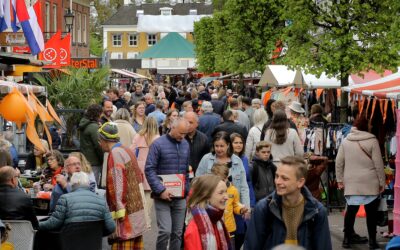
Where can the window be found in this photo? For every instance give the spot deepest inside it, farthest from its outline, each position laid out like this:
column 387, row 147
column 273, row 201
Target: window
column 79, row 27
column 47, row 19
column 139, row 12
column 84, row 32
column 133, row 40
column 192, row 12
column 151, row 39
column 116, row 55
column 132, row 55
column 54, row 18
column 166, row 11
column 117, row 40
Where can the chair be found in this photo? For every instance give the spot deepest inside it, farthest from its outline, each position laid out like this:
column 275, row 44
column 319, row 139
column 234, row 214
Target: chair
column 22, row 234
column 86, row 235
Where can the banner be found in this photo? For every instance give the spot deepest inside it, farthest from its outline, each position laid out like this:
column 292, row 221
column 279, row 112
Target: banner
column 51, row 51
column 65, row 50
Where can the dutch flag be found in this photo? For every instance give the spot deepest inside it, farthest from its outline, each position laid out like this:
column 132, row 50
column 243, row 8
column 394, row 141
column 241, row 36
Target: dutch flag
column 8, row 17
column 28, row 21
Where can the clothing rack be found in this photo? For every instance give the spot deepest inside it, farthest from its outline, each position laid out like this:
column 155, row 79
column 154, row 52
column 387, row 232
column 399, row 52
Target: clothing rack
column 325, row 127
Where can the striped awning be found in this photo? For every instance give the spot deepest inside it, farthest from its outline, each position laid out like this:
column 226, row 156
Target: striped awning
column 128, row 73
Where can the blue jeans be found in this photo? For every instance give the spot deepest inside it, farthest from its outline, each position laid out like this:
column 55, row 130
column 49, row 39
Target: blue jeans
column 170, row 219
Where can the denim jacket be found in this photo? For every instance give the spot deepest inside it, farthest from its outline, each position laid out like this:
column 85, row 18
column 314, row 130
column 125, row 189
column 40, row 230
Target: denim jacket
column 237, row 172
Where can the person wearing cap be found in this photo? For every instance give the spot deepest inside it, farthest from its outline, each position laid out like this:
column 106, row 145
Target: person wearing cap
column 209, row 120
column 298, row 118
column 124, row 196
column 217, row 104
column 169, row 155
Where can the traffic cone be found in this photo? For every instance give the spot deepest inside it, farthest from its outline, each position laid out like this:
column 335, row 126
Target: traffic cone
column 361, row 212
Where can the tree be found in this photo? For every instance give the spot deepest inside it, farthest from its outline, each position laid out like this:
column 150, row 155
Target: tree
column 244, row 33
column 204, row 44
column 96, row 46
column 342, row 37
column 75, row 90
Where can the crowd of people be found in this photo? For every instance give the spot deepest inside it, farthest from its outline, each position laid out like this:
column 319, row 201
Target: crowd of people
column 221, row 171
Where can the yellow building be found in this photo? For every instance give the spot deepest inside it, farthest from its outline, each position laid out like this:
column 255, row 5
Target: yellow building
column 121, row 40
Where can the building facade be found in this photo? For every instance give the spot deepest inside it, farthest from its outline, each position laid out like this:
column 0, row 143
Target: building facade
column 121, row 39
column 53, row 12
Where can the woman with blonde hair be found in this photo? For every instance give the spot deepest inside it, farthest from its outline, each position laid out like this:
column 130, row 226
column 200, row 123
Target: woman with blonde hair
column 87, row 168
column 138, row 115
column 206, row 230
column 125, row 130
column 140, row 146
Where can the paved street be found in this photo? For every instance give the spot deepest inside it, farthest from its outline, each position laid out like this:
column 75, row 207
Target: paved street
column 336, row 227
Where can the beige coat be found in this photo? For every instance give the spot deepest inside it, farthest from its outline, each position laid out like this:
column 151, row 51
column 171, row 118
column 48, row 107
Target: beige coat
column 360, row 174
column 126, row 132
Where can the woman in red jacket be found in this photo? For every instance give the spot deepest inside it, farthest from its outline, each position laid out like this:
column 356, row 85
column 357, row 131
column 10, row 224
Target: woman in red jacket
column 206, row 230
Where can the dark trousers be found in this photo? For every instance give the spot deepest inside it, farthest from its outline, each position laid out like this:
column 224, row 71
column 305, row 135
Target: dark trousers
column 371, row 210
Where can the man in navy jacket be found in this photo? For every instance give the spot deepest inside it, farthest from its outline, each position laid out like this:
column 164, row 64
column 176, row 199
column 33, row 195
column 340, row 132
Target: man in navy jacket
column 169, row 154
column 290, row 214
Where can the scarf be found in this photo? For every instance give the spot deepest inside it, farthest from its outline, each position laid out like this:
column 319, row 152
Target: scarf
column 206, row 220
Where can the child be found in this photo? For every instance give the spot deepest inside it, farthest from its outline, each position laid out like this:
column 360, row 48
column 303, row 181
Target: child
column 263, row 171
column 233, row 206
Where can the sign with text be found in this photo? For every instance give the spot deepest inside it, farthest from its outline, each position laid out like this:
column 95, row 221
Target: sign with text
column 89, row 63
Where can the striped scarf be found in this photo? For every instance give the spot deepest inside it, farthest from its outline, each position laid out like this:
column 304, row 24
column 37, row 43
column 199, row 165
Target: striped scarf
column 206, row 220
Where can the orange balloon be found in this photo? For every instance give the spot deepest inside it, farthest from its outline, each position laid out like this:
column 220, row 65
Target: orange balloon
column 13, row 108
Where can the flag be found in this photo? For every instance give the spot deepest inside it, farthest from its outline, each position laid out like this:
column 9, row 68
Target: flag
column 51, row 51
column 10, row 15
column 28, row 21
column 3, row 24
column 65, row 50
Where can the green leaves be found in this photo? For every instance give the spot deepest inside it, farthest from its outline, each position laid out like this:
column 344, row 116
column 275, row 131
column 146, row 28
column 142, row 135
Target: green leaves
column 76, row 90
column 239, row 38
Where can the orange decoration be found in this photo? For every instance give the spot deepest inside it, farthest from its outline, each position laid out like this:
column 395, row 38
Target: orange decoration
column 13, row 108
column 53, row 112
column 339, row 93
column 385, row 107
column 319, row 93
column 267, row 96
column 361, row 212
column 366, row 110
column 373, row 108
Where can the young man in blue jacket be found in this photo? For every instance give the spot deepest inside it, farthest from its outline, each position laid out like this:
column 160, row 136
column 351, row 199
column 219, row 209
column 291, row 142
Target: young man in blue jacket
column 290, row 215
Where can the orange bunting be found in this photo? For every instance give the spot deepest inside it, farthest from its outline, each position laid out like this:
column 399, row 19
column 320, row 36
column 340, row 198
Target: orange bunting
column 53, row 112
column 339, row 93
column 296, row 92
column 385, row 107
column 394, row 108
column 360, row 105
column 366, row 109
column 373, row 108
column 319, row 93
column 381, row 102
column 287, row 91
column 267, row 96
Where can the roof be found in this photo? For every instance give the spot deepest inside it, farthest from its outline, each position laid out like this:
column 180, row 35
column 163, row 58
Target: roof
column 172, row 45
column 126, row 14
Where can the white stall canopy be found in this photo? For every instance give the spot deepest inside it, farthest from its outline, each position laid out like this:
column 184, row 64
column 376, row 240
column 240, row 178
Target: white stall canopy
column 167, row 23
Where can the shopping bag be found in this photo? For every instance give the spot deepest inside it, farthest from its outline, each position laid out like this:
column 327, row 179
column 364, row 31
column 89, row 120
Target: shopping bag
column 382, row 213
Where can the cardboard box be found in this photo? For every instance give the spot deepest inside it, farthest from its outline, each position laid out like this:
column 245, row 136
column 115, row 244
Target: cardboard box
column 174, row 183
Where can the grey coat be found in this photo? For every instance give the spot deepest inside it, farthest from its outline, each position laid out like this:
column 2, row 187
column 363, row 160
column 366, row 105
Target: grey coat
column 78, row 206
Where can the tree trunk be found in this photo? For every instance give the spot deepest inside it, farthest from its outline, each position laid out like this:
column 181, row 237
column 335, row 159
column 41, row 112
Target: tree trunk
column 344, row 82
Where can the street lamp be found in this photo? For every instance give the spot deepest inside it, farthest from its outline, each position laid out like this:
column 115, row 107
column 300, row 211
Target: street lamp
column 69, row 20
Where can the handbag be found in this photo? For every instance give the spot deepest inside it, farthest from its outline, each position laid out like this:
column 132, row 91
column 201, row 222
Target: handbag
column 382, row 214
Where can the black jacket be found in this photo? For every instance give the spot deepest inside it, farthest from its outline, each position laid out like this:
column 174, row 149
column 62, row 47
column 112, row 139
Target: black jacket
column 231, row 127
column 262, row 177
column 199, row 146
column 16, row 205
column 218, row 106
